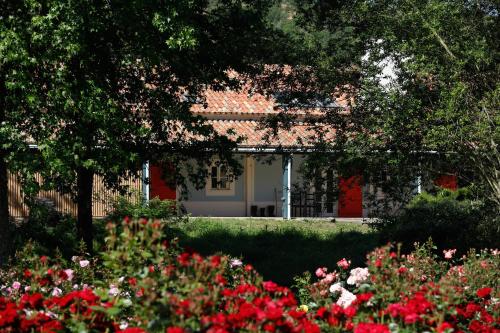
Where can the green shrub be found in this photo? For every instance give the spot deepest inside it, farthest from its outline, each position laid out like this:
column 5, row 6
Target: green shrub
column 450, row 218
column 47, row 229
column 137, row 207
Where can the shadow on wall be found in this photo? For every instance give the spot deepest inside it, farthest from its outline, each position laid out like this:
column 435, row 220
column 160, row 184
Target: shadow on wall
column 279, row 255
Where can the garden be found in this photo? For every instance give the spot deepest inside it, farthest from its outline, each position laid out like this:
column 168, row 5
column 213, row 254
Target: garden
column 398, row 98
column 142, row 280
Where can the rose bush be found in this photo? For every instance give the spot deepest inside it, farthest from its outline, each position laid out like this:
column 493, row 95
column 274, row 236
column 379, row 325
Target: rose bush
column 418, row 292
column 144, row 282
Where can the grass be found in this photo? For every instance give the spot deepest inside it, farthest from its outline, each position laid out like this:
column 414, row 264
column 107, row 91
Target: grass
column 279, row 249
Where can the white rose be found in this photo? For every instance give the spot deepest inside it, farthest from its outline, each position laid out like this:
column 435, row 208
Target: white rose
column 336, row 288
column 84, row 263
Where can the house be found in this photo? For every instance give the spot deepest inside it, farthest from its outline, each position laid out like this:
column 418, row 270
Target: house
column 271, row 183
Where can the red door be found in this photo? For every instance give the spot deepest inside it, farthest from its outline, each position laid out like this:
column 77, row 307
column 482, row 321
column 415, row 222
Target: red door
column 350, row 197
column 157, row 185
column 447, row 181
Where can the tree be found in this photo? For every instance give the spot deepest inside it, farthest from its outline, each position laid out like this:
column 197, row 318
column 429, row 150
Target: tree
column 446, row 57
column 116, row 80
column 424, row 77
column 16, row 71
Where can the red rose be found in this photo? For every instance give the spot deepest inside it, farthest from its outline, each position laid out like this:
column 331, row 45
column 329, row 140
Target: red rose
column 411, row 318
column 311, row 327
column 51, row 326
column 183, row 259
column 34, row 301
column 371, row 328
column 444, row 327
column 220, row 279
column 269, row 327
column 296, row 314
column 174, row 330
column 215, row 261
column 402, row 270
column 322, row 311
column 484, row 292
column 270, row 286
column 273, row 312
column 365, row 297
column 350, row 311
column 476, row 326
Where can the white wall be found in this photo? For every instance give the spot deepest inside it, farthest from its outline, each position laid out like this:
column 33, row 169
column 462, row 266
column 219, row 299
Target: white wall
column 215, row 208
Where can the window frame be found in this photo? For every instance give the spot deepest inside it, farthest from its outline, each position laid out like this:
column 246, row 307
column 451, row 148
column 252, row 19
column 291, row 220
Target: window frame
column 219, row 190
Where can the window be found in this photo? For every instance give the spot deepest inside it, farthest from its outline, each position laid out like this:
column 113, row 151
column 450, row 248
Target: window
column 219, row 179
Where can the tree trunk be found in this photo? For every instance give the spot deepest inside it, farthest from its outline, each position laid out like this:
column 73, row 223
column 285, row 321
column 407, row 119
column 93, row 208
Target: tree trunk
column 4, row 210
column 85, row 182
column 4, row 190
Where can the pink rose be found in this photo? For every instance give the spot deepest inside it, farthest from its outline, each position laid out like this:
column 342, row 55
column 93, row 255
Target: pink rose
column 56, row 292
column 321, row 272
column 235, row 263
column 113, row 291
column 448, row 254
column 329, row 278
column 69, row 274
column 343, row 263
column 16, row 285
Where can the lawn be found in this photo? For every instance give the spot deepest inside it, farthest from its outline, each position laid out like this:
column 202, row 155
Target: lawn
column 279, row 249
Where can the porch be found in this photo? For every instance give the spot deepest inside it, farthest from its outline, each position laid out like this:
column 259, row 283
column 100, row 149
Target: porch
column 271, row 185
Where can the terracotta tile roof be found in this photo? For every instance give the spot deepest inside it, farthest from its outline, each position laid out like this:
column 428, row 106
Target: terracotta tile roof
column 299, row 135
column 238, row 114
column 234, row 102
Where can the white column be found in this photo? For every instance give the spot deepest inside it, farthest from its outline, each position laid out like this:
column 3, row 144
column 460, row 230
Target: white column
column 145, row 181
column 287, row 184
column 249, row 182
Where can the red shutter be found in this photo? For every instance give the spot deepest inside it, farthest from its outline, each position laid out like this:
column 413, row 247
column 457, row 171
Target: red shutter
column 447, row 181
column 350, row 197
column 157, row 185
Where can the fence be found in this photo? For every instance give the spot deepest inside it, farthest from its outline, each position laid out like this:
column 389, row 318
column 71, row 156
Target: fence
column 102, row 197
